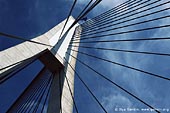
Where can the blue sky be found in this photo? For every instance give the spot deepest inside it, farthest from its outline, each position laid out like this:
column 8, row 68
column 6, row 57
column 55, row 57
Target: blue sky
column 30, row 18
column 152, row 90
column 33, row 17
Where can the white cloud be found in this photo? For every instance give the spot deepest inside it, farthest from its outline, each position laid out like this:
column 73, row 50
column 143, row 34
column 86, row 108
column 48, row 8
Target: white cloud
column 111, row 3
column 135, row 81
column 115, row 100
column 104, row 3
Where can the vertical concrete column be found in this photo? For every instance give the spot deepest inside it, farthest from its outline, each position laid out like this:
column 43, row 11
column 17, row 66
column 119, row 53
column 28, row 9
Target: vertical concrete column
column 67, row 101
column 62, row 103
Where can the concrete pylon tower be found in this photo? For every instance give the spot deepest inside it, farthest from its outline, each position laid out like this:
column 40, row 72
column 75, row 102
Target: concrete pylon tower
column 48, row 90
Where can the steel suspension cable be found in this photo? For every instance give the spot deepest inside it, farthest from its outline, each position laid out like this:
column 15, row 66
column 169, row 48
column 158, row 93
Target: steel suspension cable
column 34, row 106
column 48, row 92
column 115, row 28
column 33, row 90
column 103, row 14
column 112, row 11
column 34, row 98
column 81, row 13
column 122, row 16
column 25, row 62
column 122, row 50
column 110, row 25
column 105, row 21
column 85, row 13
column 31, row 96
column 122, row 65
column 84, row 9
column 127, row 20
column 35, row 102
column 36, row 95
column 12, row 65
column 34, row 57
column 41, row 97
column 135, row 13
column 123, row 40
column 23, row 39
column 114, row 83
column 107, row 18
column 124, row 32
column 86, row 86
column 11, row 74
column 72, row 7
column 90, row 8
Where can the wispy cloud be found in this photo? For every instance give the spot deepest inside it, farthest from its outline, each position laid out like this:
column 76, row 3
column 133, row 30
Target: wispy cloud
column 140, row 84
column 113, row 101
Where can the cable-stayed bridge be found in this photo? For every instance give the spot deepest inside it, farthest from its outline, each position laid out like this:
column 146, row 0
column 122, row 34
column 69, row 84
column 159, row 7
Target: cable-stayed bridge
column 116, row 47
